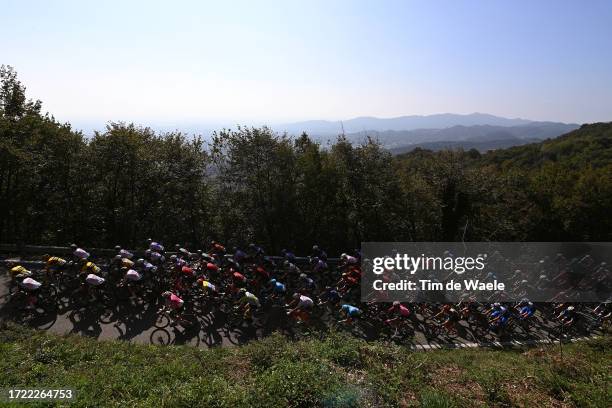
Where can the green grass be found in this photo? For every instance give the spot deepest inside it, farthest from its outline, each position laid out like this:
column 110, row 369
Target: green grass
column 338, row 371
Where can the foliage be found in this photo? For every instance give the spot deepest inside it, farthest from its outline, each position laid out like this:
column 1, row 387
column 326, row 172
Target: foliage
column 128, row 183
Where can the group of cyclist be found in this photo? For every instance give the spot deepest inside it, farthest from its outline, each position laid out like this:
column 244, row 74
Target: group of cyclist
column 251, row 282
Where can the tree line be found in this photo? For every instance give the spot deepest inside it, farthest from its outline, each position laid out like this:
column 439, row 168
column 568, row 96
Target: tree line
column 128, row 183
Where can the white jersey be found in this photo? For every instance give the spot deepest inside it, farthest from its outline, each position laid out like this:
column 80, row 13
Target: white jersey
column 132, row 275
column 351, row 260
column 81, row 253
column 94, row 280
column 30, row 284
column 126, row 254
column 305, row 302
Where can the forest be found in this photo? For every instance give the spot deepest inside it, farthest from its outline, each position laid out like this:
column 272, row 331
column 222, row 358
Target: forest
column 127, row 183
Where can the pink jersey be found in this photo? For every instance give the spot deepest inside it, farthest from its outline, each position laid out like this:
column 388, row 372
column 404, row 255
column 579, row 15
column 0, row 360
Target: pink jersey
column 175, row 301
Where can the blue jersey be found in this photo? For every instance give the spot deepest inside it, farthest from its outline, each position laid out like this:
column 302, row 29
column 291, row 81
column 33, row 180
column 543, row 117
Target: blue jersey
column 351, row 311
column 278, row 287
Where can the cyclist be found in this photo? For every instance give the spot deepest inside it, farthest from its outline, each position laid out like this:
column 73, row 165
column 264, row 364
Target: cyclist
column 30, row 287
column 567, row 316
column 208, row 288
column 155, row 246
column 330, row 295
column 248, row 302
column 350, row 312
column 306, row 284
column 277, row 289
column 54, row 263
column 239, row 255
column 397, row 311
column 174, row 304
column 288, row 255
column 318, row 253
column 347, row 260
column 123, row 252
column 302, row 305
column 451, row 317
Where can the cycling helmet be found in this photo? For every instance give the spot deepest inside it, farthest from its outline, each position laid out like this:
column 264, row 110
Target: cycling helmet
column 139, row 261
column 345, row 308
column 296, row 295
column 344, row 256
column 272, row 281
column 117, row 247
column 73, row 246
column 315, row 248
column 570, row 308
column 117, row 257
column 242, row 291
column 396, row 303
column 303, row 276
column 173, row 258
column 166, row 294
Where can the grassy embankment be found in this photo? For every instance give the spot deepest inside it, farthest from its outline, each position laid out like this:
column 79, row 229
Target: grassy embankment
column 337, row 371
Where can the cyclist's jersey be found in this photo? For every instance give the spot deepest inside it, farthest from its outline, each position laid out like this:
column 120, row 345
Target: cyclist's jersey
column 132, row 275
column 187, row 271
column 126, row 263
column 126, row 254
column 94, row 280
column 175, row 302
column 278, row 287
column 218, row 248
column 212, row 267
column 81, row 253
column 149, row 267
column 238, row 277
column 305, row 302
column 91, row 268
column 19, row 270
column 156, row 256
column 401, row 310
column 55, row 261
column 351, row 260
column 30, row 284
column 527, row 310
column 250, row 298
column 157, row 247
column 208, row 287
column 351, row 311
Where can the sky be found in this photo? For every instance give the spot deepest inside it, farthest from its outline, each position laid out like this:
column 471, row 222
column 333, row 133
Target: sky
column 255, row 62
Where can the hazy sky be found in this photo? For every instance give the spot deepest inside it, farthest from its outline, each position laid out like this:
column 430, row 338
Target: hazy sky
column 279, row 61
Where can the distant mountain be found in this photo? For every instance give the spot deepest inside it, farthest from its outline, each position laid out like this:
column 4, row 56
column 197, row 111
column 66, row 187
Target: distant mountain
column 324, row 128
column 482, row 146
column 481, row 137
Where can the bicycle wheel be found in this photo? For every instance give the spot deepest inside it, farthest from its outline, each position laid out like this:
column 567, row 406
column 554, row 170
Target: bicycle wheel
column 162, row 321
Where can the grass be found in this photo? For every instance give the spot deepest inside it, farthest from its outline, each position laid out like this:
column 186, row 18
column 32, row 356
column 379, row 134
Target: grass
column 339, row 371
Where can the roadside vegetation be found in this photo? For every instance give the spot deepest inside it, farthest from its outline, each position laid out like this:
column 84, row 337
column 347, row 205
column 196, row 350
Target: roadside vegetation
column 337, row 371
